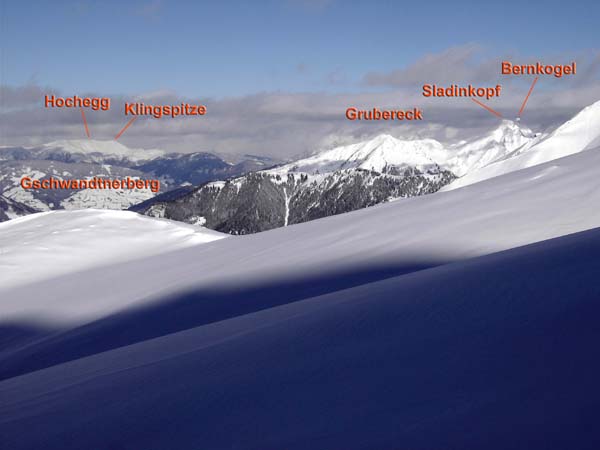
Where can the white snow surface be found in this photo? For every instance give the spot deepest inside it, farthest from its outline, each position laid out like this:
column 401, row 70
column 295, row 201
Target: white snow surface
column 535, row 204
column 580, row 133
column 50, row 244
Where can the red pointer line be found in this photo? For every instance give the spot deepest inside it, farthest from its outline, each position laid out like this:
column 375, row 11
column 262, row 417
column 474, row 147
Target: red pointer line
column 124, row 128
column 496, row 113
column 87, row 130
column 527, row 98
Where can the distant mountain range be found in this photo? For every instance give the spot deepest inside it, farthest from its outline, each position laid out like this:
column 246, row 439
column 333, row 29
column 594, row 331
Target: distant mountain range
column 81, row 159
column 360, row 175
column 335, row 181
column 329, row 183
column 253, row 194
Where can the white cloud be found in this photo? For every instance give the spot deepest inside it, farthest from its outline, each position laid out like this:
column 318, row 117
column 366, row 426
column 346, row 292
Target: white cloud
column 284, row 124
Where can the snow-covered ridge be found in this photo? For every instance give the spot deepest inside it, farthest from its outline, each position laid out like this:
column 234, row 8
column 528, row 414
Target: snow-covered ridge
column 580, row 133
column 472, row 155
column 108, row 148
column 385, row 151
column 375, row 154
column 49, row 244
column 379, row 154
column 510, row 146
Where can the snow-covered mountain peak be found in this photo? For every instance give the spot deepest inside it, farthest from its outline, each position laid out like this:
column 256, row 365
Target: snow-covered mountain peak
column 379, row 153
column 385, row 151
column 504, row 140
column 508, row 130
column 580, row 133
column 383, row 139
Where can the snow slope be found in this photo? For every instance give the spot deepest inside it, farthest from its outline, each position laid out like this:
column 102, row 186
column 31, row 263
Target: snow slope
column 496, row 352
column 539, row 203
column 46, row 245
column 578, row 134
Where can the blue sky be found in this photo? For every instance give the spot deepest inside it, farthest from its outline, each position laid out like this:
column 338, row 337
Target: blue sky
column 233, row 48
column 277, row 76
